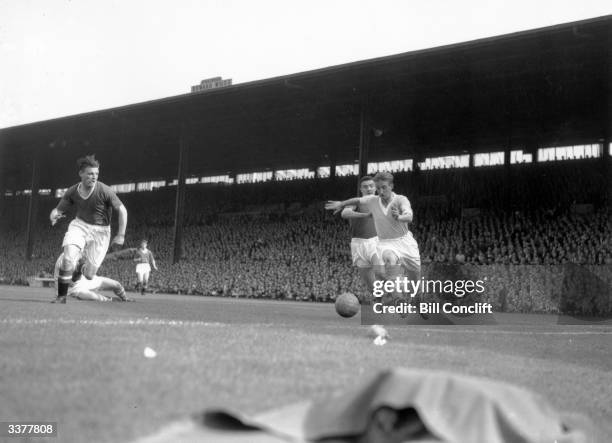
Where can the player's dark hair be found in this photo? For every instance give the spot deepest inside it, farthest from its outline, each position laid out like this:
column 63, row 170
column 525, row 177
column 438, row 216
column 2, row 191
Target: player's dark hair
column 365, row 178
column 383, row 177
column 89, row 161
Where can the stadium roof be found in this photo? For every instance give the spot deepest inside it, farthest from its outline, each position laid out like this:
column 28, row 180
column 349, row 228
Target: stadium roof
column 548, row 86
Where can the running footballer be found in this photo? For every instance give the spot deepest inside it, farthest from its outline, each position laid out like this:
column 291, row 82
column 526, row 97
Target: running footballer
column 89, row 234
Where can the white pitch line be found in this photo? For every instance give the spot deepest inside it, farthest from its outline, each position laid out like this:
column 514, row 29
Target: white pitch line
column 457, row 329
column 119, row 322
column 165, row 322
column 497, row 331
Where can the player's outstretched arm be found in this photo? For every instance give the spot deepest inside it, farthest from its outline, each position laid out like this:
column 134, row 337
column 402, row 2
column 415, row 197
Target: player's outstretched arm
column 337, row 206
column 126, row 253
column 55, row 216
column 119, row 239
column 349, row 213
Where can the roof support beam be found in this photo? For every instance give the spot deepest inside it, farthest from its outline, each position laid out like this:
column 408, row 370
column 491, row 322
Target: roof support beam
column 32, row 204
column 184, row 142
column 365, row 130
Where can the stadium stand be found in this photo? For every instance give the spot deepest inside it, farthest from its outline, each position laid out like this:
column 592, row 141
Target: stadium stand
column 522, row 232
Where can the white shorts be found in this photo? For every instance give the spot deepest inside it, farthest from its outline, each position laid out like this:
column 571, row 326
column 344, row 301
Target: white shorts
column 364, row 250
column 406, row 249
column 84, row 284
column 143, row 269
column 93, row 240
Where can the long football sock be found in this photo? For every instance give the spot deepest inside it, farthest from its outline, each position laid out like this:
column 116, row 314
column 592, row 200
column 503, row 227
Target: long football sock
column 368, row 278
column 64, row 280
column 120, row 292
column 392, row 273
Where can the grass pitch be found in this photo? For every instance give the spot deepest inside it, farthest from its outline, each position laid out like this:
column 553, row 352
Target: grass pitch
column 82, row 364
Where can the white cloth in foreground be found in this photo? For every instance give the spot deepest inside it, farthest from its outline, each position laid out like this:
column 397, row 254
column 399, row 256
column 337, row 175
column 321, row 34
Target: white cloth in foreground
column 397, row 405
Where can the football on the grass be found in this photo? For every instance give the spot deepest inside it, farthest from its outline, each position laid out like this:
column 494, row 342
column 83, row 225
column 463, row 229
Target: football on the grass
column 347, row 305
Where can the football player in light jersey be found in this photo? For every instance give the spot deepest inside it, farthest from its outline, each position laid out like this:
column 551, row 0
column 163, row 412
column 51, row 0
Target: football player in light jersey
column 363, row 235
column 85, row 289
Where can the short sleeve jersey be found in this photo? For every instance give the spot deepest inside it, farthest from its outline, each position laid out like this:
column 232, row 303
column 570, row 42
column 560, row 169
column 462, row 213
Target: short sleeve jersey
column 96, row 208
column 145, row 256
column 387, row 227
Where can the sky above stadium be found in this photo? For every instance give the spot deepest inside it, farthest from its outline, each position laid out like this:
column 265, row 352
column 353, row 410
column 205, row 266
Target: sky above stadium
column 64, row 57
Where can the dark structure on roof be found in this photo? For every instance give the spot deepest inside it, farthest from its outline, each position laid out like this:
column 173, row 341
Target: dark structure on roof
column 544, row 87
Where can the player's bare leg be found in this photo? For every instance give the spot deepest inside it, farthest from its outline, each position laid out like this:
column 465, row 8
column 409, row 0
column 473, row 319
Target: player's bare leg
column 393, row 271
column 78, row 269
column 87, row 295
column 89, row 270
column 366, row 272
column 414, row 274
column 67, row 266
column 140, row 283
column 145, row 283
column 85, row 269
column 113, row 285
column 379, row 272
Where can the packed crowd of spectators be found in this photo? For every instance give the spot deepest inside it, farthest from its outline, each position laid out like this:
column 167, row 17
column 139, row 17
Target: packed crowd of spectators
column 519, row 238
column 275, row 240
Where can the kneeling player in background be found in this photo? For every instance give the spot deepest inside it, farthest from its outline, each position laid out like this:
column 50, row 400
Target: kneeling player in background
column 84, row 289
